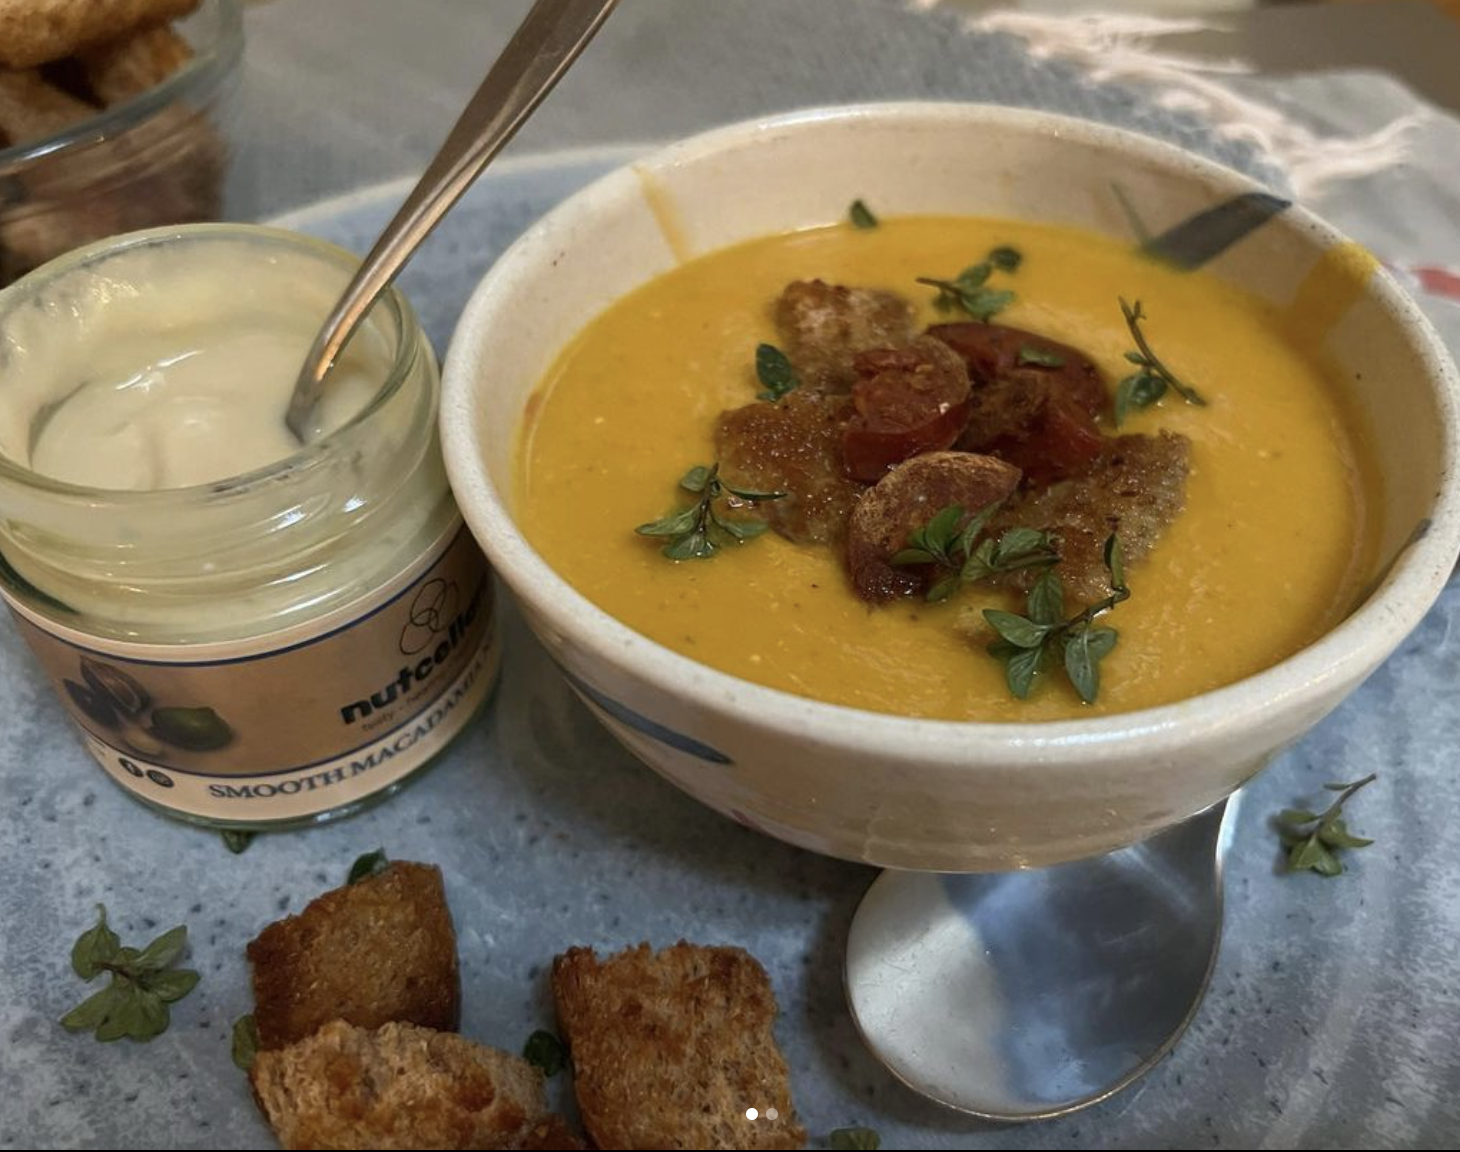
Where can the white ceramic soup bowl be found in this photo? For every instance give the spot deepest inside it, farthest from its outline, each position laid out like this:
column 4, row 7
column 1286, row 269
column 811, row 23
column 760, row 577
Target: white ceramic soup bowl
column 926, row 794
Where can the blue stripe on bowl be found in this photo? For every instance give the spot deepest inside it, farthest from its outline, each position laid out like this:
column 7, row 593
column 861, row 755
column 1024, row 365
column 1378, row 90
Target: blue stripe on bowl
column 1208, row 234
column 651, row 728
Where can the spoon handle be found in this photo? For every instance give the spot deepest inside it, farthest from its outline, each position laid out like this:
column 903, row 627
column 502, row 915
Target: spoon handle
column 547, row 42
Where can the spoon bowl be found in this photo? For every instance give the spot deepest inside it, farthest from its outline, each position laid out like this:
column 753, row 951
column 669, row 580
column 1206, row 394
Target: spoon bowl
column 1019, row 996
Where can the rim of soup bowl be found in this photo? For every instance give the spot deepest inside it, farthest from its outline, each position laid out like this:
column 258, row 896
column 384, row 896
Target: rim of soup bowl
column 1302, row 684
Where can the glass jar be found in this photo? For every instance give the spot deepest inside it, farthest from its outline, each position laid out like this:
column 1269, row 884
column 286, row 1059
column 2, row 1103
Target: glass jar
column 269, row 649
column 160, row 157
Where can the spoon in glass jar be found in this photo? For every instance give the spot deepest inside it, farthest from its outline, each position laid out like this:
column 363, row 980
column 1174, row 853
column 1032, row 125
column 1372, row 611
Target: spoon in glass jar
column 1028, row 995
column 551, row 37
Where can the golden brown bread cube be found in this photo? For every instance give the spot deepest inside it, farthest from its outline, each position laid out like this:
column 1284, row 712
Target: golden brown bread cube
column 36, row 32
column 32, row 108
column 671, row 1049
column 120, row 69
column 167, row 170
column 824, row 326
column 1136, row 488
column 401, row 1087
column 370, row 953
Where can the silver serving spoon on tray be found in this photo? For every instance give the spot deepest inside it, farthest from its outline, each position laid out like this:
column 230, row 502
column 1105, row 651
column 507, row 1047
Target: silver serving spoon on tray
column 1027, row 995
column 551, row 37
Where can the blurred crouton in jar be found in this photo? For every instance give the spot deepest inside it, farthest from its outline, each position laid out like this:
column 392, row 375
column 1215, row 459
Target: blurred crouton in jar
column 122, row 133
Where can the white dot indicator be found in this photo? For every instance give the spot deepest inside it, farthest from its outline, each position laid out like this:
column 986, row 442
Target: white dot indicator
column 772, row 1114
column 751, row 1113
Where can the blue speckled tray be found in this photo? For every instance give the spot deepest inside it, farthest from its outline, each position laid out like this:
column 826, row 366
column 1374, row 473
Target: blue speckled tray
column 1331, row 1021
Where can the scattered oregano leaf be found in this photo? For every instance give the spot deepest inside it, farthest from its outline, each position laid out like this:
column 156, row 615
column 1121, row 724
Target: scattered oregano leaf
column 143, row 983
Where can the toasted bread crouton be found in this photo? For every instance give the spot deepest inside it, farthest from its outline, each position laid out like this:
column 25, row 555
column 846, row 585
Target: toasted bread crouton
column 120, row 69
column 1136, row 488
column 397, row 1087
column 824, row 326
column 370, row 953
column 39, row 31
column 32, row 108
column 671, row 1050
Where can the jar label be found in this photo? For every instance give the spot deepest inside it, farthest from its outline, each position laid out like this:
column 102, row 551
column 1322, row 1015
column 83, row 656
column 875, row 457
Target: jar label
column 296, row 723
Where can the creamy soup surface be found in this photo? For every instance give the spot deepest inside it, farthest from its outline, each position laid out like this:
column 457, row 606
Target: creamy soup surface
column 1274, row 545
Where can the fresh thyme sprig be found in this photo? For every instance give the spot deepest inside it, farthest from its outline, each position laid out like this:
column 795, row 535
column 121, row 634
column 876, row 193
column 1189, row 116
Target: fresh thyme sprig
column 143, row 983
column 773, row 369
column 1143, row 388
column 969, row 291
column 699, row 531
column 1313, row 839
column 966, row 559
column 861, row 216
column 1027, row 642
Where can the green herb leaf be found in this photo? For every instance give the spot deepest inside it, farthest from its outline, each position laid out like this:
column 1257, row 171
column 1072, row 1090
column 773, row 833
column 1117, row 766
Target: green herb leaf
column 1039, row 358
column 753, row 495
column 774, row 370
column 1006, row 259
column 1334, row 833
column 974, row 529
column 545, row 1051
column 236, row 840
column 1020, row 667
column 967, row 290
column 368, row 865
column 1018, row 631
column 1114, row 556
column 1101, row 641
column 91, row 1013
column 95, row 947
column 173, row 985
column 134, row 1002
column 1310, row 854
column 1314, row 840
column 163, row 952
column 698, row 532
column 1047, row 599
column 861, row 216
column 245, row 1041
column 986, row 303
column 675, row 524
column 1081, row 665
column 1147, row 386
column 1138, row 391
column 943, row 589
column 844, row 1139
column 695, row 545
column 695, row 479
column 742, row 529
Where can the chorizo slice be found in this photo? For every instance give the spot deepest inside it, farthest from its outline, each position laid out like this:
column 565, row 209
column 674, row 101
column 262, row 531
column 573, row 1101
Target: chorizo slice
column 904, row 500
column 1034, row 400
column 1136, row 488
column 993, row 352
column 909, row 401
column 823, row 326
column 792, row 446
column 1054, row 439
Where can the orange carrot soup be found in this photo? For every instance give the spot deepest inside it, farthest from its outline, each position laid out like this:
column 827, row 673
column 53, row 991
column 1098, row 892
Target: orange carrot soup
column 958, row 468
